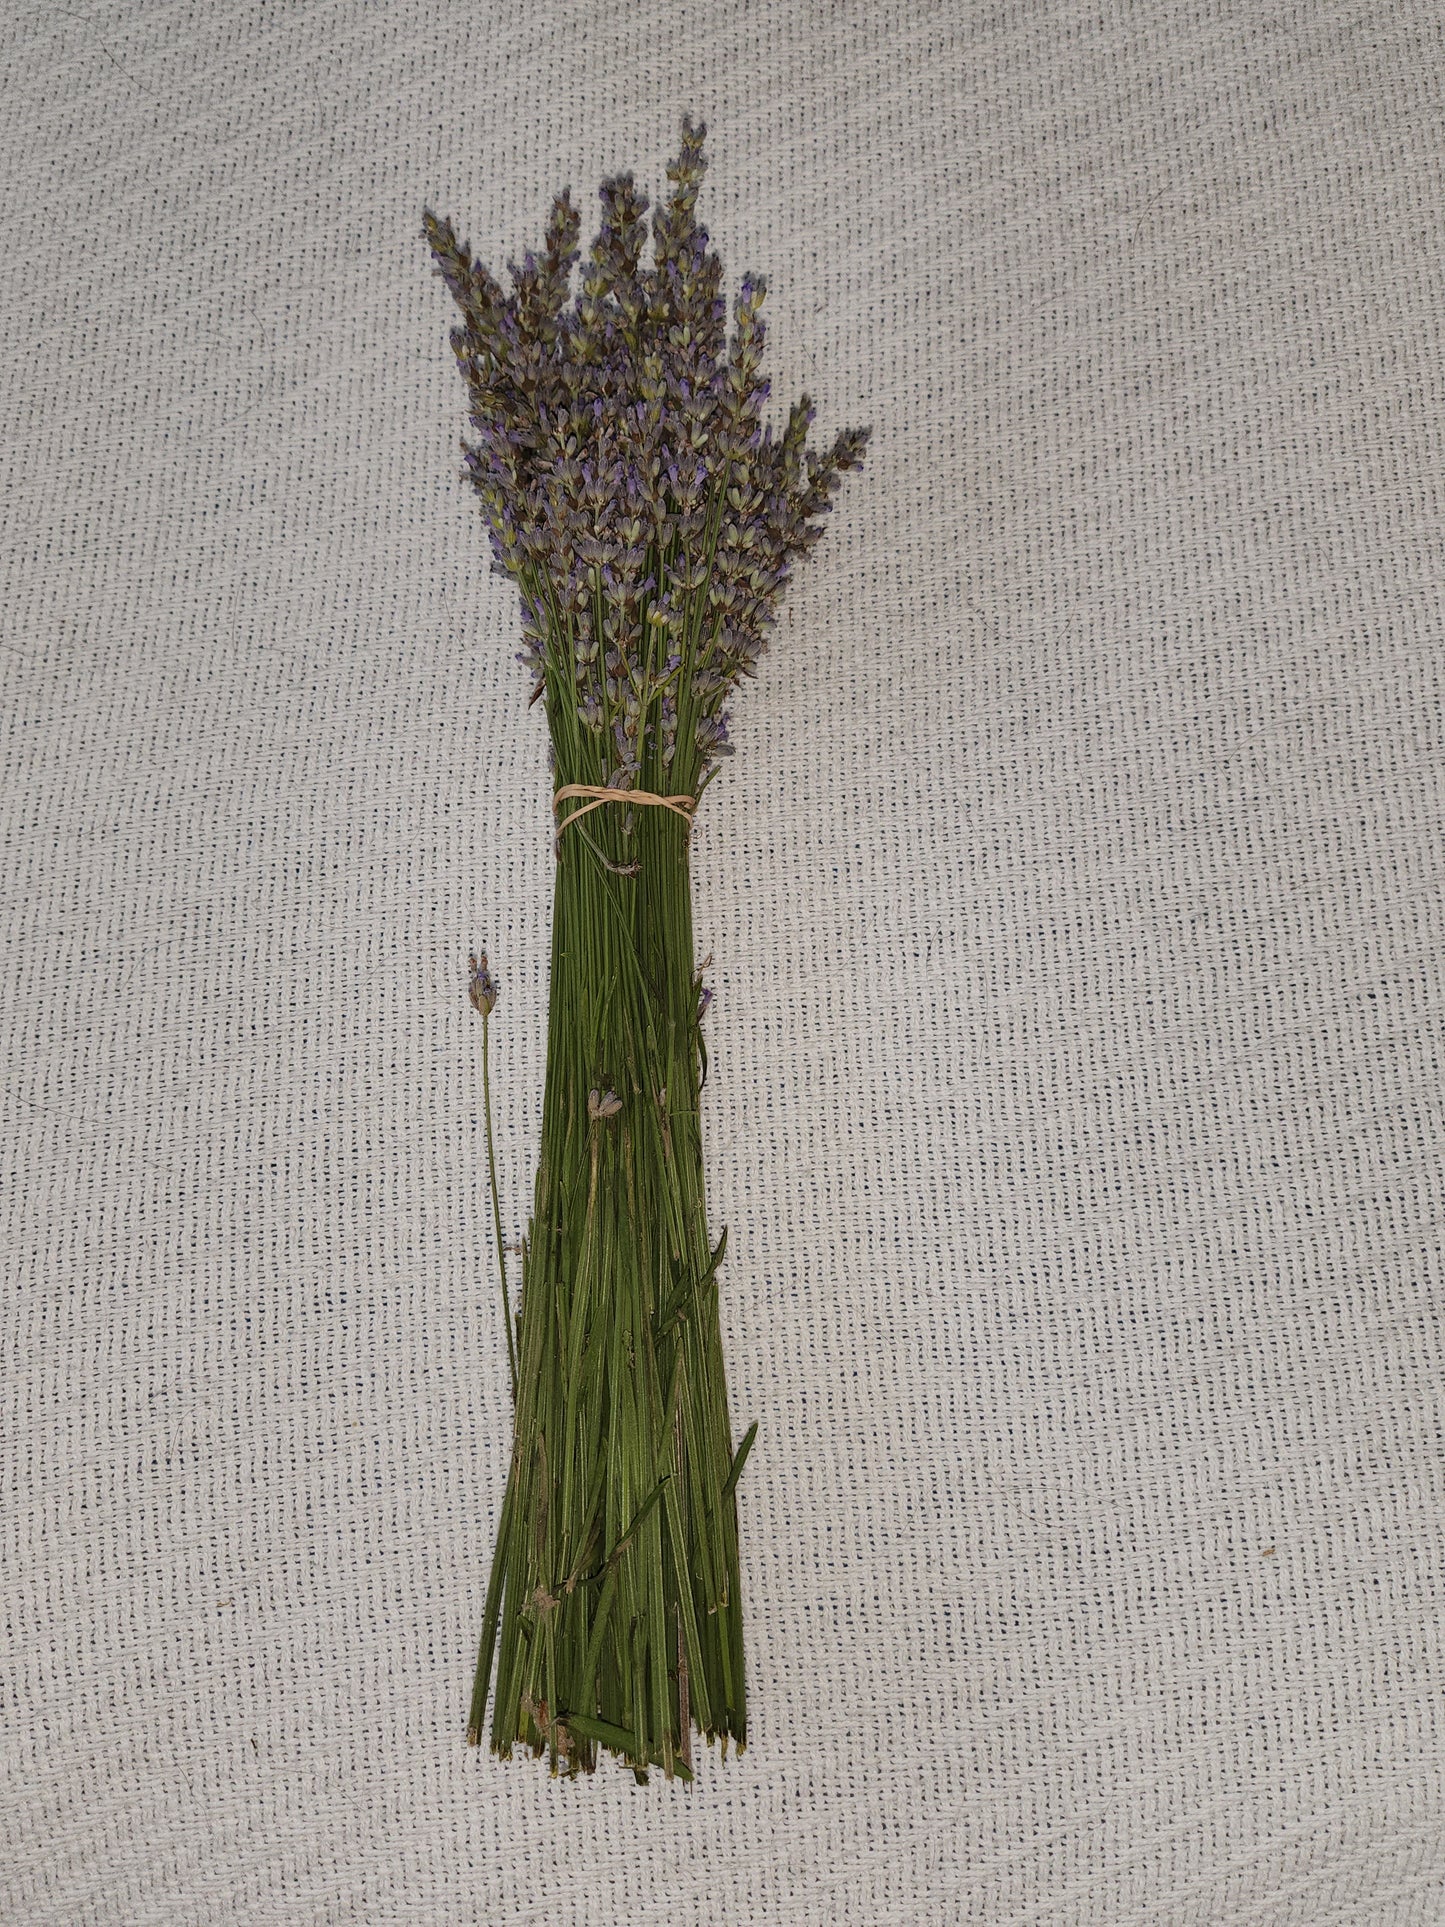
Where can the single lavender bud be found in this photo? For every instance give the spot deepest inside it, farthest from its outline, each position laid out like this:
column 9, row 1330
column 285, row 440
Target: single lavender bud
column 482, row 987
column 712, row 736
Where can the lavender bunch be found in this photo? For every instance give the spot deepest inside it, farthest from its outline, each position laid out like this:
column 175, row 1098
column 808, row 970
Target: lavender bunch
column 651, row 519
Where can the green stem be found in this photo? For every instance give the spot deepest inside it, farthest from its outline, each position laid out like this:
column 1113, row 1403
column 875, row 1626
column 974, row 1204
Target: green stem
column 496, row 1201
column 614, row 1600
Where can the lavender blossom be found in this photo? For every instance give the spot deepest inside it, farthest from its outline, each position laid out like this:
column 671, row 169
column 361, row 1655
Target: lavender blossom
column 629, row 483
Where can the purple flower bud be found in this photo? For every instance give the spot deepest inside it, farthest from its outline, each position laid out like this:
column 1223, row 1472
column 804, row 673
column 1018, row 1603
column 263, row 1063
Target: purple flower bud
column 482, row 987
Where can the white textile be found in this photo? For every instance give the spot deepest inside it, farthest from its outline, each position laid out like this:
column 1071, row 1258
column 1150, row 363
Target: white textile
column 1078, row 911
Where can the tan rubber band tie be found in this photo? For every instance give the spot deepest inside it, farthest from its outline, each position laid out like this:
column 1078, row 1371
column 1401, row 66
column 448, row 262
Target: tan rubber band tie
column 682, row 806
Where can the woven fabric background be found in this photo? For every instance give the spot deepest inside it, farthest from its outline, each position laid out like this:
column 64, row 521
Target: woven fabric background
column 1078, row 908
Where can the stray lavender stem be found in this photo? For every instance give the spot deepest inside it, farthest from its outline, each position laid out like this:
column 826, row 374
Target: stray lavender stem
column 483, row 990
column 496, row 1205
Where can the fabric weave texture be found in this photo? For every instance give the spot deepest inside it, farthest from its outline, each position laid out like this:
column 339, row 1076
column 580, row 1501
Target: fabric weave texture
column 1077, row 908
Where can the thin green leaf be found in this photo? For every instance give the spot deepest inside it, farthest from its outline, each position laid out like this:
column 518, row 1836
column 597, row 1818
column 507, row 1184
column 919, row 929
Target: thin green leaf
column 626, row 1540
column 616, row 1737
column 685, row 1290
column 741, row 1459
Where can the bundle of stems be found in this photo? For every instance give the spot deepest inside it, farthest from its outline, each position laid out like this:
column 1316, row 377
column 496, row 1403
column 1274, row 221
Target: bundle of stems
column 650, row 520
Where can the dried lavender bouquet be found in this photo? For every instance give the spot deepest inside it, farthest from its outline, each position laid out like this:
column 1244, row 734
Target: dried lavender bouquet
column 650, row 520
